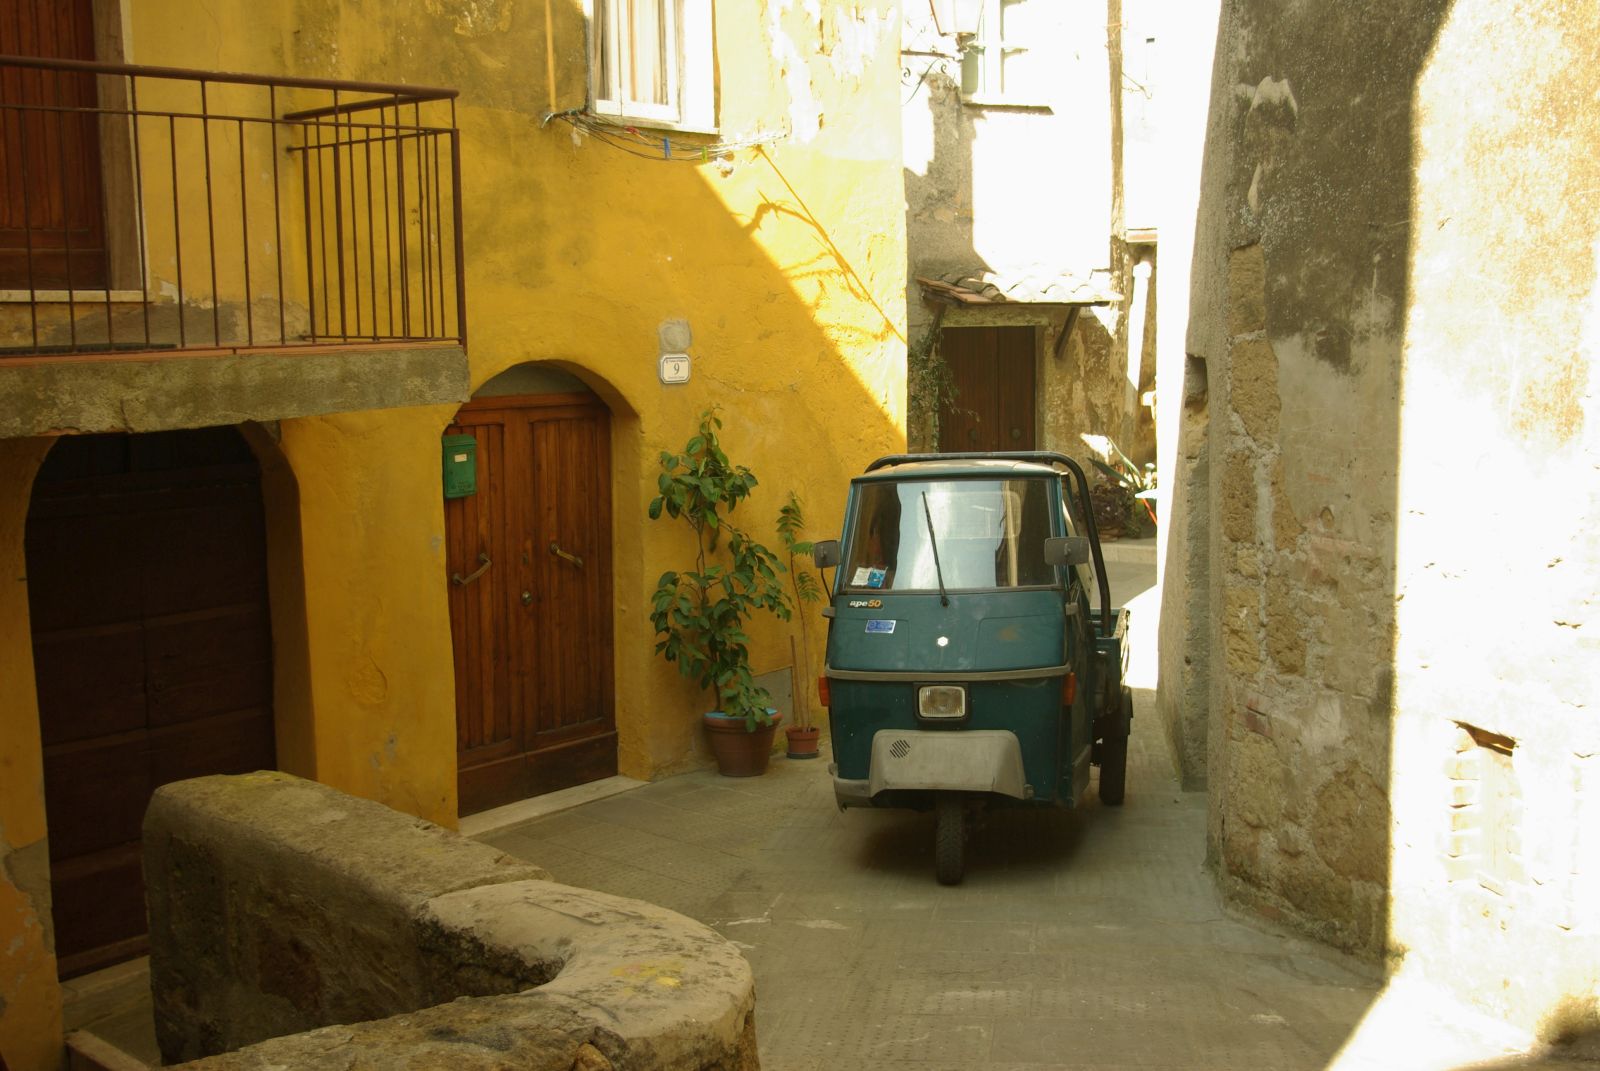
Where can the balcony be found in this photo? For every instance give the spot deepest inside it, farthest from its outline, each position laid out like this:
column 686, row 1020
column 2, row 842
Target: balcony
column 181, row 248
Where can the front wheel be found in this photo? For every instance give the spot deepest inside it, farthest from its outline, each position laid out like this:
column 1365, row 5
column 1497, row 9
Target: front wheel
column 1114, row 756
column 949, row 839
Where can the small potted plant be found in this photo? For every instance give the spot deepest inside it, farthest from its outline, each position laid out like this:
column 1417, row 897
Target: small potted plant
column 700, row 613
column 803, row 734
column 1121, row 499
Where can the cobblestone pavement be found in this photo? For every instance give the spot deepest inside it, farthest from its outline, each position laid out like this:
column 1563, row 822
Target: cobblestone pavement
column 1090, row 939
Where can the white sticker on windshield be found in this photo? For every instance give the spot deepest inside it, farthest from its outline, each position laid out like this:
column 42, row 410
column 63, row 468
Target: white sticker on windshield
column 860, row 579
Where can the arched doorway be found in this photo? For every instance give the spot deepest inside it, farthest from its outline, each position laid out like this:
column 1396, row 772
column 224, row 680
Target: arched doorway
column 152, row 641
column 530, row 591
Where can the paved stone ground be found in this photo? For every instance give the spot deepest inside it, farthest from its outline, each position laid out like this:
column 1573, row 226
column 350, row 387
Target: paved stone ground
column 1090, row 940
column 1087, row 939
column 1079, row 940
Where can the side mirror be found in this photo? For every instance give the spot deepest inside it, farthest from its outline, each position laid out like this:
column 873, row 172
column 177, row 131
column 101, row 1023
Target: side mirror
column 1066, row 550
column 825, row 553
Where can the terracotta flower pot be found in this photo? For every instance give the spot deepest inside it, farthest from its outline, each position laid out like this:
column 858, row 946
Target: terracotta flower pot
column 802, row 742
column 739, row 752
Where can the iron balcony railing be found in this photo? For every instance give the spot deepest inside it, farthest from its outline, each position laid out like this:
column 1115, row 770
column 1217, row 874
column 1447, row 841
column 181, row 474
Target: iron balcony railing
column 153, row 208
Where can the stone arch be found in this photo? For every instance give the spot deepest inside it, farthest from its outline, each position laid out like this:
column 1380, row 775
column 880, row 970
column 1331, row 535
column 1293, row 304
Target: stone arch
column 280, row 498
column 533, row 376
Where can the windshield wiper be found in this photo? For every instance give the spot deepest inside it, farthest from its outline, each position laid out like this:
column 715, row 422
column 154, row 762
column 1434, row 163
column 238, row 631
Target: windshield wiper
column 933, row 541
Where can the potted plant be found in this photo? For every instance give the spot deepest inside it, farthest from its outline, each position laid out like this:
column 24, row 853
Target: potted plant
column 700, row 613
column 1122, row 497
column 803, row 734
column 1112, row 504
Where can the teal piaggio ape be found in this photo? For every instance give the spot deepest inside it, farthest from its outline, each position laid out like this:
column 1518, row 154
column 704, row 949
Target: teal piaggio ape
column 966, row 666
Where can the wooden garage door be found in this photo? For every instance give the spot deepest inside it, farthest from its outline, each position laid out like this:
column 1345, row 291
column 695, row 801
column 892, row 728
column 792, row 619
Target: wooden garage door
column 530, row 599
column 992, row 369
column 152, row 646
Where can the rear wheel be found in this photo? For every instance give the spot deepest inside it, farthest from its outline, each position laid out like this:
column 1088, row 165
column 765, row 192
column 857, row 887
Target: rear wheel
column 949, row 839
column 1114, row 756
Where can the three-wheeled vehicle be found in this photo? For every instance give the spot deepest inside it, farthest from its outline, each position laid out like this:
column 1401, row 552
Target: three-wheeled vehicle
column 965, row 665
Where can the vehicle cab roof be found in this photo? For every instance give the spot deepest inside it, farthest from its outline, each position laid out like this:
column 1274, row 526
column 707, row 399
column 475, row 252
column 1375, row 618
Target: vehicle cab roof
column 946, row 466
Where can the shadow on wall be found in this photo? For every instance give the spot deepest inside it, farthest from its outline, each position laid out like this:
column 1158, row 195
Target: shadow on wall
column 1078, row 385
column 1300, row 296
column 939, row 233
column 579, row 251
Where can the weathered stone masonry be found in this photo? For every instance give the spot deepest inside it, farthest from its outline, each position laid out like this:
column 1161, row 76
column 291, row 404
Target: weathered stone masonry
column 293, row 926
column 1397, row 278
column 1300, row 327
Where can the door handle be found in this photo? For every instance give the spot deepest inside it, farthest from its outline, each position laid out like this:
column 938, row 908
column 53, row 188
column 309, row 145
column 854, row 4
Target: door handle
column 462, row 581
column 564, row 556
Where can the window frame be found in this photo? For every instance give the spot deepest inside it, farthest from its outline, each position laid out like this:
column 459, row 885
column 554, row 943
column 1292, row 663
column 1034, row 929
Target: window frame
column 992, row 45
column 690, row 60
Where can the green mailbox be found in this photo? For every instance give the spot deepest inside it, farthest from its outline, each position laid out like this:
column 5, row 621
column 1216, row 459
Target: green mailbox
column 460, row 466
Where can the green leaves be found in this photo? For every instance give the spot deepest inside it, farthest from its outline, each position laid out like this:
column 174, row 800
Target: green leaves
column 791, row 521
column 1112, row 474
column 807, row 589
column 699, row 614
column 1117, row 467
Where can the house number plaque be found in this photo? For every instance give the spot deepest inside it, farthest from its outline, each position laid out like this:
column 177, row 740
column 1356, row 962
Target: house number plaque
column 674, row 368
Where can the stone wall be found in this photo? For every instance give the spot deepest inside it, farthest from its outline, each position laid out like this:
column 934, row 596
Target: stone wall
column 1395, row 301
column 293, row 926
column 1183, row 698
column 1297, row 313
column 1185, row 35
column 1022, row 187
column 1496, row 751
column 1006, row 186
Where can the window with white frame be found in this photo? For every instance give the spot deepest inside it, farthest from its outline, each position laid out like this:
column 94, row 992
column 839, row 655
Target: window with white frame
column 1000, row 63
column 651, row 62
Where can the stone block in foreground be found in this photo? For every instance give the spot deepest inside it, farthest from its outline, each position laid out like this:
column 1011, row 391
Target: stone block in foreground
column 300, row 927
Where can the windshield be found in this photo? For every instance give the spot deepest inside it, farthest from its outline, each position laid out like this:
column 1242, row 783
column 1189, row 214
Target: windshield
column 987, row 534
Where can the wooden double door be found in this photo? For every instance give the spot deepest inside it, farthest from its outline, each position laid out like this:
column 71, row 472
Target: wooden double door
column 152, row 649
column 992, row 370
column 529, row 559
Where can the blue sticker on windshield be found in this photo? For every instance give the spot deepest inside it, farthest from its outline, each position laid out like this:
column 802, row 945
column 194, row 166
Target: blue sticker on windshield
column 880, row 626
column 875, row 579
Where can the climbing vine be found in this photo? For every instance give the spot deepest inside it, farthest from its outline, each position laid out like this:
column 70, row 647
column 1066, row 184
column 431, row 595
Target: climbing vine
column 930, row 388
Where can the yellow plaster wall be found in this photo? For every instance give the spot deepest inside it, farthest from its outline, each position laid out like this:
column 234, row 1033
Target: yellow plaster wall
column 30, row 1001
column 382, row 687
column 787, row 263
column 364, row 684
column 786, row 268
